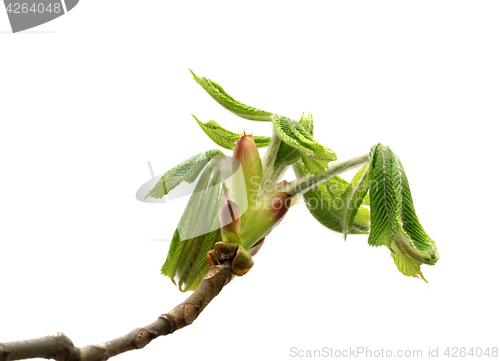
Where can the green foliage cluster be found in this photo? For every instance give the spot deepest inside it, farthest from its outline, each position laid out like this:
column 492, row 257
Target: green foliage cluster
column 377, row 201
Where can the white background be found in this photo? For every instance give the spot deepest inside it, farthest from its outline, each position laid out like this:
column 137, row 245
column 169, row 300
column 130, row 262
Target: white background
column 88, row 99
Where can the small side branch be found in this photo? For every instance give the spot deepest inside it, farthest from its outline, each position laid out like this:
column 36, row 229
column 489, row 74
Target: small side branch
column 60, row 347
column 310, row 181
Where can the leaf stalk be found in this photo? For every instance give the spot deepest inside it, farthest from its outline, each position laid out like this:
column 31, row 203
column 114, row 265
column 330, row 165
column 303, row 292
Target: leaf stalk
column 302, row 185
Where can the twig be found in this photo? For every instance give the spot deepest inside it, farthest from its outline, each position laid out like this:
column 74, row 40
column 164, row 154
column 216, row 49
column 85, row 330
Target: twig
column 60, row 347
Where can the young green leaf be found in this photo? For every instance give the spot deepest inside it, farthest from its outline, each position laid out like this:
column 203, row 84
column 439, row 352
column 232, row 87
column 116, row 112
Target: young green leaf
column 186, row 171
column 308, row 123
column 261, row 141
column 231, row 104
column 287, row 155
column 314, row 155
column 326, row 203
column 196, row 233
column 353, row 198
column 225, row 138
column 394, row 221
column 313, row 164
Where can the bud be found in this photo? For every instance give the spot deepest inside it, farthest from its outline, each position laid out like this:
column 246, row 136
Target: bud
column 274, row 207
column 262, row 210
column 225, row 250
column 212, row 261
column 248, row 156
column 242, row 262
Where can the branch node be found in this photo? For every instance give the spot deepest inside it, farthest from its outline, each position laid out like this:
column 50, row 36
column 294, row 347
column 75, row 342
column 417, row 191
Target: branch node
column 142, row 338
column 66, row 349
column 190, row 313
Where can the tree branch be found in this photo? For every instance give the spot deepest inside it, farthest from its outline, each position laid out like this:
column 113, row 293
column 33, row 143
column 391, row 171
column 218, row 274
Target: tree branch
column 60, row 347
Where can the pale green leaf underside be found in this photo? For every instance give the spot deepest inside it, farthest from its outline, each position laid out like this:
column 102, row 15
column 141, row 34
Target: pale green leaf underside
column 314, row 165
column 314, row 155
column 186, row 263
column 231, row 104
column 225, row 138
column 394, row 222
column 186, row 171
column 325, row 202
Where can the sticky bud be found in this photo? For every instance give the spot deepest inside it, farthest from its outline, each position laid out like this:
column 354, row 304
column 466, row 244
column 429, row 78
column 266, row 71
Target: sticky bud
column 241, row 263
column 279, row 206
column 247, row 156
column 274, row 207
column 225, row 250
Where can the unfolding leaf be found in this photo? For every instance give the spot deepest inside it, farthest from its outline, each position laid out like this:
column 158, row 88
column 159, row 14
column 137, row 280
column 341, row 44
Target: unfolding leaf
column 186, row 171
column 352, row 198
column 327, row 204
column 287, row 155
column 231, row 104
column 314, row 155
column 394, row 221
column 308, row 123
column 225, row 138
column 186, row 263
column 313, row 164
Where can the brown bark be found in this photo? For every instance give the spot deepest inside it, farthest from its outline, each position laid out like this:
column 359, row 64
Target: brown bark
column 60, row 347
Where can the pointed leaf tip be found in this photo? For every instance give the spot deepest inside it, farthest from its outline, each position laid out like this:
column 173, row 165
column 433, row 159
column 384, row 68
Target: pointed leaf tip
column 393, row 218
